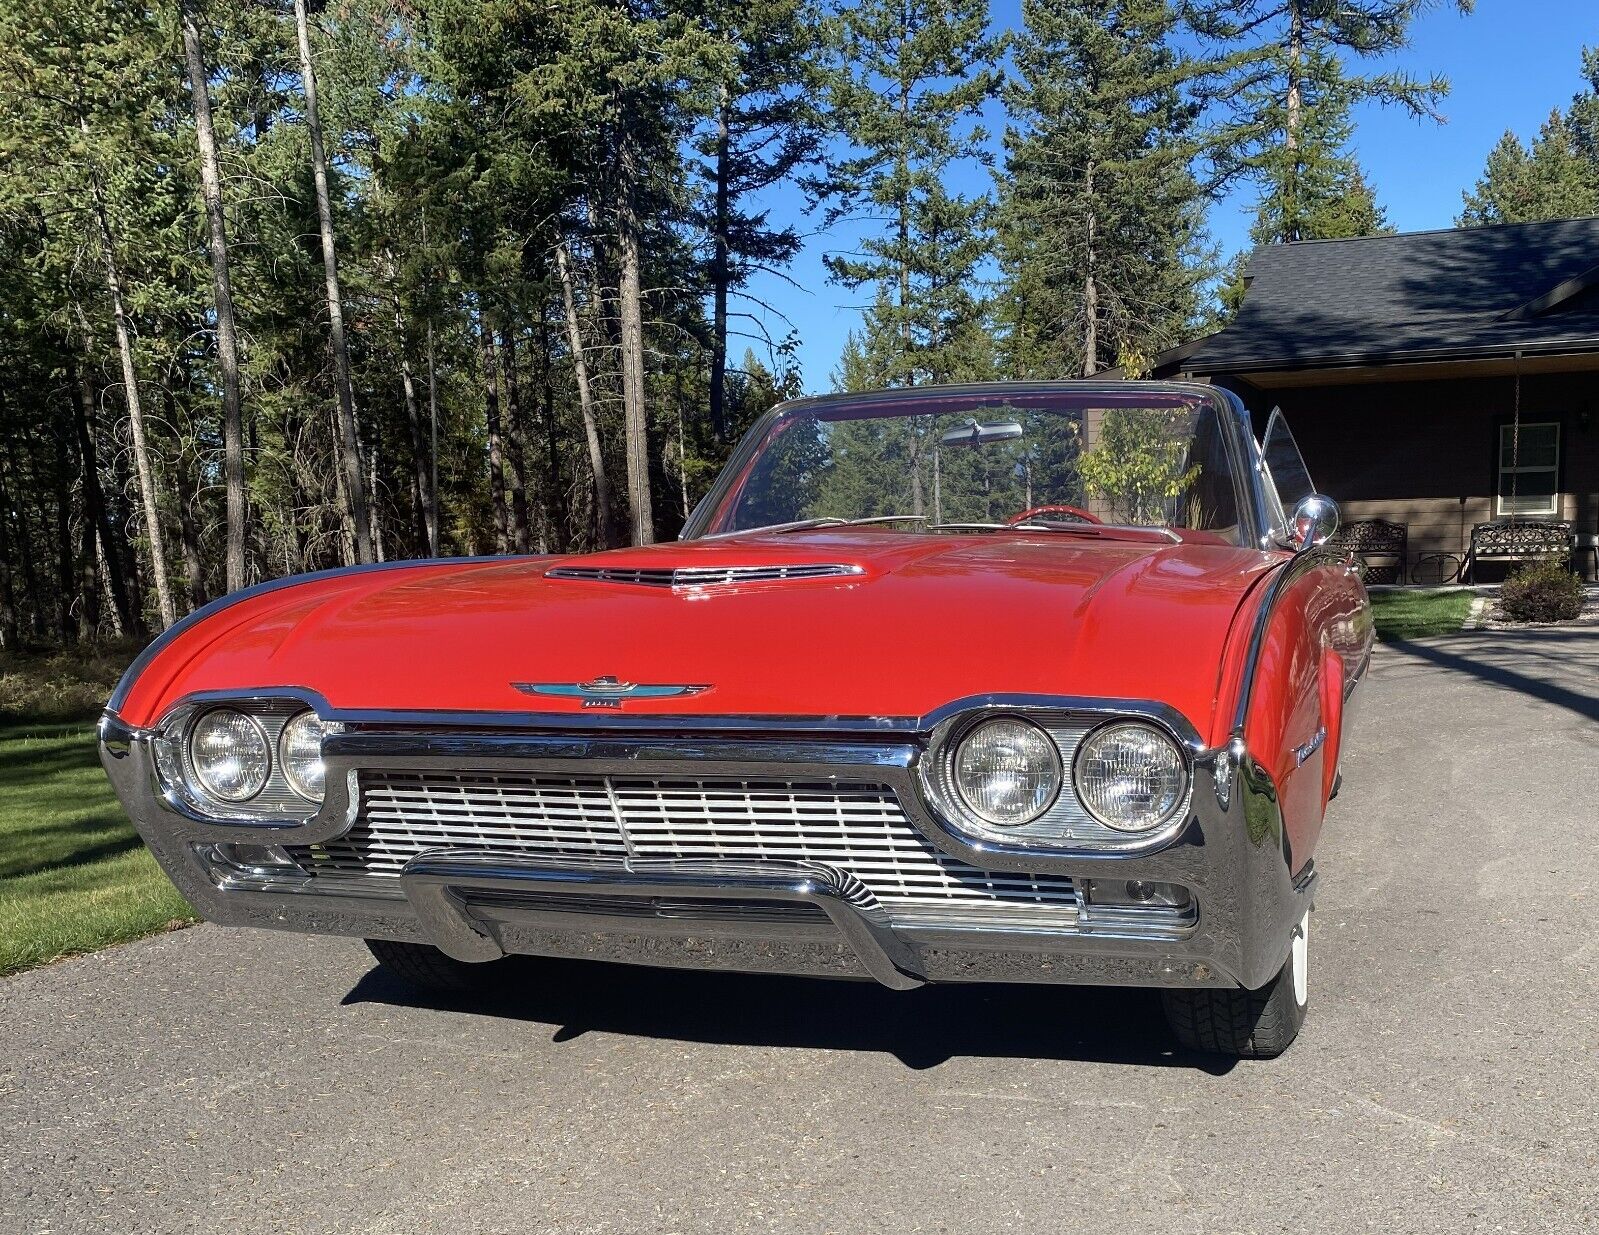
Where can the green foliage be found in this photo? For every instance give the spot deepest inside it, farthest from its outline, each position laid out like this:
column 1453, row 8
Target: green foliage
column 1285, row 78
column 905, row 98
column 1101, row 228
column 1558, row 178
column 1541, row 592
column 1137, row 462
column 57, row 685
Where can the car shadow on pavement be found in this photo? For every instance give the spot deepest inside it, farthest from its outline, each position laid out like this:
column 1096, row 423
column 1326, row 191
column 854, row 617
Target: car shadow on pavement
column 922, row 1028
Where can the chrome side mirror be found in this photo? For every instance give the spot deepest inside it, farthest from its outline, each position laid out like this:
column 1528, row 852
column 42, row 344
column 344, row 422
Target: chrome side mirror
column 1314, row 522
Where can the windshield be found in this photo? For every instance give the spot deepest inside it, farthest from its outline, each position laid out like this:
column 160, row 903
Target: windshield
column 1054, row 459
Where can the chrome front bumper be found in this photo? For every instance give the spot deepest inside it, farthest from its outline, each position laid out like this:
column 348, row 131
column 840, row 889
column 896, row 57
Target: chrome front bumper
column 772, row 915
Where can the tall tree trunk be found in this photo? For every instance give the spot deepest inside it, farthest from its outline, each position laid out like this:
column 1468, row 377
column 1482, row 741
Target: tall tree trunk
column 720, row 274
column 349, row 441
column 631, row 310
column 189, row 531
column 433, row 449
column 514, row 439
column 372, row 489
column 1294, row 119
column 1090, row 280
column 556, row 518
column 66, row 573
column 903, row 234
column 585, row 400
column 10, row 632
column 10, row 618
column 95, row 512
column 130, row 382
column 25, row 539
column 422, row 494
column 491, row 410
column 1296, row 52
column 227, row 337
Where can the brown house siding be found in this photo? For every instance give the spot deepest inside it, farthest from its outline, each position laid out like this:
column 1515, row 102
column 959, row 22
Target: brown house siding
column 1423, row 452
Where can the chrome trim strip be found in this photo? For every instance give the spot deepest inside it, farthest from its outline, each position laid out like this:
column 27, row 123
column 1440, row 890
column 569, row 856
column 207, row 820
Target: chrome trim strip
column 1278, row 584
column 439, row 887
column 692, row 577
column 599, row 723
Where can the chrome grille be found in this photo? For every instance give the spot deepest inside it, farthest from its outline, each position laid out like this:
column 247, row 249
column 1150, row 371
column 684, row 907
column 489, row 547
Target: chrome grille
column 703, row 576
column 856, row 826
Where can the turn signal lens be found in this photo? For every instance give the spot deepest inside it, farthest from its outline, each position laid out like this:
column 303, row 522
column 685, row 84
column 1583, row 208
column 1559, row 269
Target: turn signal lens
column 230, row 755
column 1131, row 776
column 300, row 749
column 1007, row 771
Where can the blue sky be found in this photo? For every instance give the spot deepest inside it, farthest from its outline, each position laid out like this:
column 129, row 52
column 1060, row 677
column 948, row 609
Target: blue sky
column 1509, row 64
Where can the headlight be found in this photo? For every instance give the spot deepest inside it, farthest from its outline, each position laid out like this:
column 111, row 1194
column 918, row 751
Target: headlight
column 230, row 755
column 300, row 752
column 1007, row 771
column 1131, row 776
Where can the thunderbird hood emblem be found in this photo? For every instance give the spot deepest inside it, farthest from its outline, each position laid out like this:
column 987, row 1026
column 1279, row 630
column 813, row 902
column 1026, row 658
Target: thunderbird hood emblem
column 608, row 692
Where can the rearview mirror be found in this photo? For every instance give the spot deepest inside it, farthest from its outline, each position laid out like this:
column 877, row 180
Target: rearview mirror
column 1314, row 522
column 974, row 434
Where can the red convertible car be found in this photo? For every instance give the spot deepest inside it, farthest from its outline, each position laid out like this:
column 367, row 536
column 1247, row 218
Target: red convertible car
column 998, row 683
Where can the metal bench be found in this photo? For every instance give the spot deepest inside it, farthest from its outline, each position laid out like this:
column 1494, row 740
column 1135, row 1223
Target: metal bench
column 1379, row 546
column 1517, row 540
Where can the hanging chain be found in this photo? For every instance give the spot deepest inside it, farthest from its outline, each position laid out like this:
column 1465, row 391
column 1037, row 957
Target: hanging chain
column 1515, row 447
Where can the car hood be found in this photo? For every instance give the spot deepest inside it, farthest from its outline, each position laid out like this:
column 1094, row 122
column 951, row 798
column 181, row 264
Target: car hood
column 918, row 621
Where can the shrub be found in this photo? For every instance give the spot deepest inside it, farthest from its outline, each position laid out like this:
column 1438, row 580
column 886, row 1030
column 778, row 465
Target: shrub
column 61, row 683
column 1542, row 592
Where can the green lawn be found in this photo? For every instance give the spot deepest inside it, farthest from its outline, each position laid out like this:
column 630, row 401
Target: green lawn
column 1417, row 614
column 74, row 875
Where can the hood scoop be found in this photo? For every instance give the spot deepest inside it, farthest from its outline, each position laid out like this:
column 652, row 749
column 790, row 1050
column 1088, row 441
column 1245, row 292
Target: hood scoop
column 693, row 577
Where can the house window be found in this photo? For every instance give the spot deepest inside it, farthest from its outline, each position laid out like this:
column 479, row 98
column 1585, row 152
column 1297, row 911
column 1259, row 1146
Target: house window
column 1529, row 470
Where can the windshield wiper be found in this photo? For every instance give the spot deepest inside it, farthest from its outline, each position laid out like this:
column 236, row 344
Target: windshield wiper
column 834, row 521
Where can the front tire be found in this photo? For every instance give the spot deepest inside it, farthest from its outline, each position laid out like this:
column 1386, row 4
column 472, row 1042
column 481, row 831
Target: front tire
column 424, row 968
column 1259, row 1024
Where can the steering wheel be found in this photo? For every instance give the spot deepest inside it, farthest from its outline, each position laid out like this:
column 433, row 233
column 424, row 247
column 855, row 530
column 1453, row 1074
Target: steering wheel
column 1076, row 514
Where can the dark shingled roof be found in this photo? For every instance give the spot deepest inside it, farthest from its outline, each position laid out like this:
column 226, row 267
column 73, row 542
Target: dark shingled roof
column 1476, row 291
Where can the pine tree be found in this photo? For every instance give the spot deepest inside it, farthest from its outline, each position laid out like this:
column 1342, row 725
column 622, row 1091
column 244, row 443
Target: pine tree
column 1555, row 179
column 1101, row 236
column 1285, row 81
column 905, row 98
column 1316, row 190
column 764, row 129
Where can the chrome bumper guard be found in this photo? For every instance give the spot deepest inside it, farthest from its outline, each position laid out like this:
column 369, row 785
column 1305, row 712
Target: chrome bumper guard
column 440, row 885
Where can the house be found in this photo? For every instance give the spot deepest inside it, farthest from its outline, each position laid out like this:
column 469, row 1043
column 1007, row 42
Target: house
column 1435, row 379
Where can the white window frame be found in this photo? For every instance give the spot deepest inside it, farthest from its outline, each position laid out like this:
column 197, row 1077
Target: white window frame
column 1505, row 470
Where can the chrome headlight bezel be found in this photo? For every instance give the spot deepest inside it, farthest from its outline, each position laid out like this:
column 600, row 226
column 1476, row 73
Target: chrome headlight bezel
column 277, row 805
column 1067, row 827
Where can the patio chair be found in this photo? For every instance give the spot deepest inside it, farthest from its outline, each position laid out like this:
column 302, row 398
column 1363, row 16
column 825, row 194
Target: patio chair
column 1378, row 545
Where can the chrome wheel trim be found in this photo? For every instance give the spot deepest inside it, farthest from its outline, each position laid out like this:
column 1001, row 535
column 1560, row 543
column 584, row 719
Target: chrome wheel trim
column 1299, row 961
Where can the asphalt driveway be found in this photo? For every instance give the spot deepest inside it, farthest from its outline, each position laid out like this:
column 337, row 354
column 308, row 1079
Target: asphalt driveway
column 1448, row 1079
